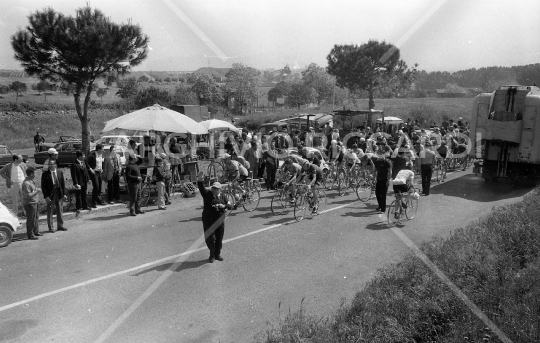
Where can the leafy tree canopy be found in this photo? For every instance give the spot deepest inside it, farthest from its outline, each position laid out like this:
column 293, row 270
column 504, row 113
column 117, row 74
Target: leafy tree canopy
column 206, row 88
column 317, row 78
column 242, row 82
column 78, row 50
column 128, row 87
column 370, row 66
column 300, row 94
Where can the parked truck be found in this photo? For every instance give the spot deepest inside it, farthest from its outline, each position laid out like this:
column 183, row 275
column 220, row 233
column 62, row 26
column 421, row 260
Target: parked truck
column 505, row 133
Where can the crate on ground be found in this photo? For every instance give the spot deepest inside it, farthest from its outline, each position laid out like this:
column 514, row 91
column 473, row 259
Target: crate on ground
column 188, row 189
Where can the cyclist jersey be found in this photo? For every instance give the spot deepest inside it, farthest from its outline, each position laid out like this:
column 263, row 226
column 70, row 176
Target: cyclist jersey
column 297, row 159
column 293, row 168
column 234, row 167
column 403, row 176
column 242, row 161
column 359, row 153
column 313, row 169
column 350, row 157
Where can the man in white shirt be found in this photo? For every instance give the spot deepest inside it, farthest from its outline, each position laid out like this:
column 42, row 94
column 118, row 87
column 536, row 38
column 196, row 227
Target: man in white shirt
column 14, row 173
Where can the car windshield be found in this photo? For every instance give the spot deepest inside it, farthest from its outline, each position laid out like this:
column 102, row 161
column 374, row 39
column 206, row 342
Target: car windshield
column 5, row 151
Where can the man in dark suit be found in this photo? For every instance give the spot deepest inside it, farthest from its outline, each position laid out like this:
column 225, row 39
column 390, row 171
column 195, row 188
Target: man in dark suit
column 54, row 190
column 79, row 175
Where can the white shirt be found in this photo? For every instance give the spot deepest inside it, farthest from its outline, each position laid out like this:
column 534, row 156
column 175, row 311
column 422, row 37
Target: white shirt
column 17, row 174
column 402, row 177
column 99, row 162
column 54, row 178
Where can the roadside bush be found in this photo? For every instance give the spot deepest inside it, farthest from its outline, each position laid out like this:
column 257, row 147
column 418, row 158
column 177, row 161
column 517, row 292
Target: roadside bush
column 494, row 261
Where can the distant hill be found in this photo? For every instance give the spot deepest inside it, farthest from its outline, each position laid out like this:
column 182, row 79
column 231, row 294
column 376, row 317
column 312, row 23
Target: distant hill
column 219, row 72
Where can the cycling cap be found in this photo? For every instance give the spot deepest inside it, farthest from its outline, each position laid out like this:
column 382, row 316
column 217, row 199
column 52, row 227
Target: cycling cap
column 52, row 151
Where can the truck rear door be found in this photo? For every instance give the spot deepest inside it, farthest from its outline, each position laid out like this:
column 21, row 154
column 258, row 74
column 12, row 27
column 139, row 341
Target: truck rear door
column 527, row 134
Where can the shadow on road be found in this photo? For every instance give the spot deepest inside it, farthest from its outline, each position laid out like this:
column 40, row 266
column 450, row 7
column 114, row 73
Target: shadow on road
column 194, row 219
column 14, row 329
column 471, row 187
column 185, row 265
column 116, row 216
column 360, row 214
column 379, row 226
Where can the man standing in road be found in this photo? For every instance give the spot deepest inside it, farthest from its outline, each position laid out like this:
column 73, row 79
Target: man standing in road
column 384, row 174
column 427, row 159
column 80, row 178
column 213, row 217
column 111, row 174
column 14, row 173
column 30, row 203
column 252, row 156
column 94, row 164
column 54, row 190
column 38, row 139
column 134, row 178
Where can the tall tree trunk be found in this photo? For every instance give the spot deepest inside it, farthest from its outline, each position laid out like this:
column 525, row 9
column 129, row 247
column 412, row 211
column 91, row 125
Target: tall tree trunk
column 83, row 117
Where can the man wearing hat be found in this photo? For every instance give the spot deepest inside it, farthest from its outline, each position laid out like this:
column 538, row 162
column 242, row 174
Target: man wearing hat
column 53, row 155
column 213, row 216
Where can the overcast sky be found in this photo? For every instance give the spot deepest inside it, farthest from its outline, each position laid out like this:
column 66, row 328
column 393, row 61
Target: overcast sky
column 188, row 34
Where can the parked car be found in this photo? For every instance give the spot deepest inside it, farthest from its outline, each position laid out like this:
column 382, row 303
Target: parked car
column 6, row 156
column 47, row 145
column 66, row 154
column 8, row 225
column 107, row 141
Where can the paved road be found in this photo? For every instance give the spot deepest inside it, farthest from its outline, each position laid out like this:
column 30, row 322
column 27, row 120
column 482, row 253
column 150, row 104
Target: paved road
column 112, row 278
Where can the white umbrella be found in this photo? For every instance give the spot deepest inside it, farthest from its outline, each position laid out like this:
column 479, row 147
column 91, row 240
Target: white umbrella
column 216, row 125
column 390, row 120
column 157, row 118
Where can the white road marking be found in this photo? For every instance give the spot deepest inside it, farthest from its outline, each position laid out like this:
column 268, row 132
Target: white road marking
column 147, row 265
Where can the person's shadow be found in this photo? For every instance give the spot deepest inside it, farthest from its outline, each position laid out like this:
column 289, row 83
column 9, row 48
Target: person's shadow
column 183, row 266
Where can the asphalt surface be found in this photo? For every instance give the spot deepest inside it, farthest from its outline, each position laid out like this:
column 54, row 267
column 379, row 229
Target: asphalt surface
column 113, row 278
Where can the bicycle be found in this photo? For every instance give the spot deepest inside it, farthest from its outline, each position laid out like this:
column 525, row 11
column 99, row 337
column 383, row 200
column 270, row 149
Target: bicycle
column 439, row 169
column 348, row 178
column 148, row 190
column 216, row 169
column 249, row 201
column 330, row 175
column 366, row 187
column 281, row 198
column 304, row 202
column 409, row 205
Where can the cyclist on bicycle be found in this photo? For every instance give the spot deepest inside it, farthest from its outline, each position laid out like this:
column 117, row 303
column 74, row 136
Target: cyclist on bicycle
column 235, row 173
column 313, row 175
column 295, row 172
column 240, row 160
column 402, row 183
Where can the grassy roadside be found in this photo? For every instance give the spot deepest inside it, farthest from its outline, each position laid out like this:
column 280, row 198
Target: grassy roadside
column 494, row 260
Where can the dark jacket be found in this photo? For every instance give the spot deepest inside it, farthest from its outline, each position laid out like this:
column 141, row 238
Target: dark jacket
column 79, row 174
column 159, row 173
column 47, row 184
column 133, row 173
column 211, row 213
column 91, row 161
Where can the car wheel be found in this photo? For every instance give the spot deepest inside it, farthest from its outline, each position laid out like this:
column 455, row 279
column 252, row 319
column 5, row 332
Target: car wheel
column 5, row 235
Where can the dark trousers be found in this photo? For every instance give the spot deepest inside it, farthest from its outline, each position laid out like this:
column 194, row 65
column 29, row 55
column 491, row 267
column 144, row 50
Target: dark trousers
column 262, row 166
column 213, row 235
column 426, row 171
column 381, row 189
column 134, row 190
column 56, row 201
column 32, row 219
column 96, row 180
column 80, row 197
column 113, row 187
column 270, row 177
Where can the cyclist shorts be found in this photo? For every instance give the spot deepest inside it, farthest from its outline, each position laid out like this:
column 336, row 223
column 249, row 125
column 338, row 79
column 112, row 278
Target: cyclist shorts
column 401, row 188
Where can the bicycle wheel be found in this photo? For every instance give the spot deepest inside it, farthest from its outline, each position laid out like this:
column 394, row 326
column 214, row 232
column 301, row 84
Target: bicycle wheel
column 145, row 195
column 251, row 200
column 279, row 203
column 364, row 190
column 231, row 200
column 411, row 209
column 215, row 169
column 391, row 214
column 332, row 182
column 444, row 169
column 322, row 201
column 300, row 208
column 342, row 182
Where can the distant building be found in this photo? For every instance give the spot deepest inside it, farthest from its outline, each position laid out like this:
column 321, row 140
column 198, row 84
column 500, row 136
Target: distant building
column 445, row 93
